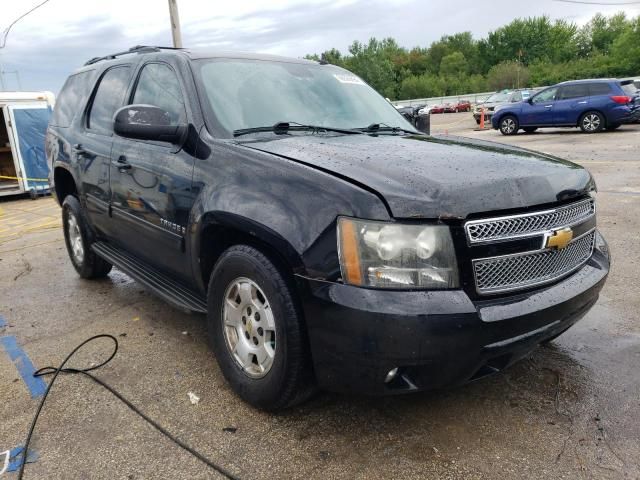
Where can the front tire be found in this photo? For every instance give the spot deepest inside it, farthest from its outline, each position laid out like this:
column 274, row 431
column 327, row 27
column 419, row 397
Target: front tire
column 530, row 129
column 78, row 238
column 613, row 126
column 592, row 122
column 509, row 125
column 257, row 332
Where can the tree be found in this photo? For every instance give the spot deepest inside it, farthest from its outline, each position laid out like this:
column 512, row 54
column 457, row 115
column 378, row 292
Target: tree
column 525, row 52
column 508, row 74
column 453, row 64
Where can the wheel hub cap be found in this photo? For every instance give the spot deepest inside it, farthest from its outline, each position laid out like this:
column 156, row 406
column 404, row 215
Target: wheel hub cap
column 508, row 125
column 249, row 327
column 591, row 122
column 75, row 238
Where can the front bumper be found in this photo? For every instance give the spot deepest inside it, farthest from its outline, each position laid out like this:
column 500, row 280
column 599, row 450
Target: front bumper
column 435, row 338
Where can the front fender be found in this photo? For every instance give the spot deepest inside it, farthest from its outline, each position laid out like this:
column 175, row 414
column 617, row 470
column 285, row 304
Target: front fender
column 289, row 206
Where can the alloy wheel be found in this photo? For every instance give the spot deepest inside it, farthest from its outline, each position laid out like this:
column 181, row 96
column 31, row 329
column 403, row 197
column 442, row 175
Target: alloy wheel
column 249, row 327
column 591, row 122
column 75, row 238
column 508, row 125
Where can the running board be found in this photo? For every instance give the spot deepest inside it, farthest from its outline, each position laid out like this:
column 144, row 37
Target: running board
column 161, row 284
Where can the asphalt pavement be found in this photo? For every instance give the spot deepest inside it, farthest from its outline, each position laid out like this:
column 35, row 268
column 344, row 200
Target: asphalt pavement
column 570, row 410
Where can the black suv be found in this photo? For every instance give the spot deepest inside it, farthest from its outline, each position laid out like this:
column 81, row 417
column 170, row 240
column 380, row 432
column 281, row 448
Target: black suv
column 328, row 243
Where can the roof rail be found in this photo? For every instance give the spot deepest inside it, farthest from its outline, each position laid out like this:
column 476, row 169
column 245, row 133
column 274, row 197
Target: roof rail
column 136, row 49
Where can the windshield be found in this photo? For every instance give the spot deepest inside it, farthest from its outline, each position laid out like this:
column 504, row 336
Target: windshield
column 498, row 97
column 256, row 93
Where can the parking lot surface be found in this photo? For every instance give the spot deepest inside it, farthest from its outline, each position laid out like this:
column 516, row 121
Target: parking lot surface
column 570, row 410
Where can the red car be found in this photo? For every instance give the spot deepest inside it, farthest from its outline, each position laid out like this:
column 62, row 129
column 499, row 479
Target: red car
column 463, row 106
column 437, row 109
column 449, row 108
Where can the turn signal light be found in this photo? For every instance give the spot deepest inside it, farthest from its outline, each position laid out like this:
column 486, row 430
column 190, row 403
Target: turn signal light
column 621, row 99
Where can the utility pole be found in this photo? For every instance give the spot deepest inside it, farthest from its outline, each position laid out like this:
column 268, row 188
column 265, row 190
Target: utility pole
column 175, row 24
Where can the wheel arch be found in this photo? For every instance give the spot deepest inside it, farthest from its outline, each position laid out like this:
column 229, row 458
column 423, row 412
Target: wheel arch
column 588, row 110
column 218, row 231
column 64, row 184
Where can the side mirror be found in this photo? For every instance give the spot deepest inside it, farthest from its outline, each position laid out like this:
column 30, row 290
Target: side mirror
column 530, row 100
column 146, row 122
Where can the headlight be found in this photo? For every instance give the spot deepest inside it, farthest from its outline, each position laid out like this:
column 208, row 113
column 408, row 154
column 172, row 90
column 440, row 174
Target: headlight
column 391, row 255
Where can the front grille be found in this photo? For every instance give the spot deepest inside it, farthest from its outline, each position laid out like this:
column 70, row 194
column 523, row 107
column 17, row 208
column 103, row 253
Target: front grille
column 524, row 270
column 528, row 224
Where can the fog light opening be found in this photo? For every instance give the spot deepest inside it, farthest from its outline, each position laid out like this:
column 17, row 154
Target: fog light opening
column 391, row 375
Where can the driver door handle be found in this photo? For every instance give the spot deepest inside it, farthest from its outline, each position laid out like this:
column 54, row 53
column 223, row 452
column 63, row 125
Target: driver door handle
column 548, row 106
column 123, row 164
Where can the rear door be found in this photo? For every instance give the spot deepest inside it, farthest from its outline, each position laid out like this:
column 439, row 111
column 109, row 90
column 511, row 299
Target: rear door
column 539, row 111
column 572, row 101
column 151, row 181
column 93, row 151
column 28, row 124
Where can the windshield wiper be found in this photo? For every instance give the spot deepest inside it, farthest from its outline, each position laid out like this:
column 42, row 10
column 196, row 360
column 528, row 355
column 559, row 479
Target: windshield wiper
column 281, row 128
column 383, row 127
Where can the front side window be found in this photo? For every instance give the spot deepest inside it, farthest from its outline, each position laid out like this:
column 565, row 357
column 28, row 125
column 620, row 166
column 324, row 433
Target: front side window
column 246, row 93
column 108, row 98
column 158, row 85
column 547, row 95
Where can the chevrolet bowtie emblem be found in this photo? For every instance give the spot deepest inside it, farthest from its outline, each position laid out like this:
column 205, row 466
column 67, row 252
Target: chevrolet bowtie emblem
column 559, row 238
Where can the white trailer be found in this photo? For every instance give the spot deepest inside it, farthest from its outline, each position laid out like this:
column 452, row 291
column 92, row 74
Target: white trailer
column 23, row 124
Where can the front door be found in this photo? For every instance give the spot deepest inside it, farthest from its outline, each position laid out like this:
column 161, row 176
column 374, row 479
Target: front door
column 539, row 110
column 151, row 195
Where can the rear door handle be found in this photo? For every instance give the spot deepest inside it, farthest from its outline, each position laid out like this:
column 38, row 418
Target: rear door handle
column 123, row 164
column 548, row 106
column 583, row 102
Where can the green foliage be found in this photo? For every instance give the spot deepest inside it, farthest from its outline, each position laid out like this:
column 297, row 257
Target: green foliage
column 508, row 74
column 527, row 52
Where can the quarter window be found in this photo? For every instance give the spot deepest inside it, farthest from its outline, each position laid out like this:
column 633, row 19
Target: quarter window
column 158, row 85
column 108, row 98
column 71, row 98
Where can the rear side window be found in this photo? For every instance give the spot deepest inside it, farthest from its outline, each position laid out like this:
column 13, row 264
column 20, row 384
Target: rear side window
column 574, row 91
column 71, row 98
column 599, row 89
column 159, row 86
column 108, row 98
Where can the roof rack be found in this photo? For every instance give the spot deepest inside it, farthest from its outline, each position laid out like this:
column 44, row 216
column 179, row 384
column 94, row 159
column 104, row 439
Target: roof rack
column 136, row 49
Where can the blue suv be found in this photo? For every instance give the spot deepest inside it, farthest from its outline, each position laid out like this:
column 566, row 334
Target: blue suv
column 592, row 105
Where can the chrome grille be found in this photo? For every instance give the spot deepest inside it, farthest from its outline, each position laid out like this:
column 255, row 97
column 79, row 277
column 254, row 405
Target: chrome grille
column 524, row 270
column 528, row 224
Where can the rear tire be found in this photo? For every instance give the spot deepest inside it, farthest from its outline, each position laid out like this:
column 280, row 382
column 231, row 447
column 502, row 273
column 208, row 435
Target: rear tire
column 530, row 129
column 265, row 359
column 613, row 126
column 78, row 238
column 509, row 125
column 592, row 122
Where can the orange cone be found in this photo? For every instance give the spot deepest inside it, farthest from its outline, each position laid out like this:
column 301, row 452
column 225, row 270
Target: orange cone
column 482, row 119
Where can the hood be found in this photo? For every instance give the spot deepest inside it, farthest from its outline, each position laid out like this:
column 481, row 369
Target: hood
column 435, row 177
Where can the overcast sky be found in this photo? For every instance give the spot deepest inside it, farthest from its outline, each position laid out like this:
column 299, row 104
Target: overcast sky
column 59, row 37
